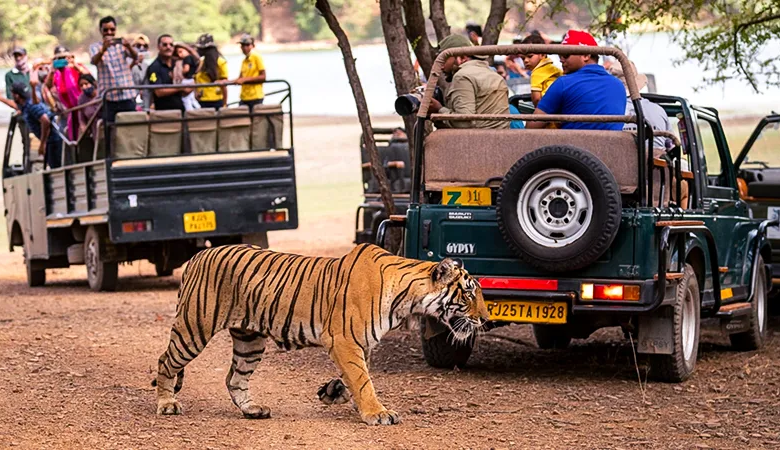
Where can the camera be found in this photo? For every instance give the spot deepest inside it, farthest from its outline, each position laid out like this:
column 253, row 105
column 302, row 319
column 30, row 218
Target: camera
column 59, row 63
column 409, row 103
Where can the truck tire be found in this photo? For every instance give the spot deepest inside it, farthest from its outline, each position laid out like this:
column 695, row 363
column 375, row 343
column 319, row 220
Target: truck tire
column 755, row 336
column 439, row 350
column 102, row 275
column 36, row 276
column 559, row 208
column 552, row 336
column 686, row 314
column 162, row 270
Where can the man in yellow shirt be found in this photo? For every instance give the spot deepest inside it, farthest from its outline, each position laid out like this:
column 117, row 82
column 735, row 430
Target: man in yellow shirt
column 252, row 74
column 543, row 71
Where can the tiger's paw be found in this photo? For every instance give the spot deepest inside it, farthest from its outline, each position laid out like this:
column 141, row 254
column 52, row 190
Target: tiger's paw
column 169, row 407
column 256, row 412
column 334, row 392
column 386, row 417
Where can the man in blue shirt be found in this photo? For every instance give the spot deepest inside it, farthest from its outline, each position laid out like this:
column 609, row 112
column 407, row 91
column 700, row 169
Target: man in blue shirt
column 39, row 120
column 586, row 88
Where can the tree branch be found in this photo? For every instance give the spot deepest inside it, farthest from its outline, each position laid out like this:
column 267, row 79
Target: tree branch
column 439, row 19
column 418, row 37
column 737, row 55
column 360, row 101
column 495, row 22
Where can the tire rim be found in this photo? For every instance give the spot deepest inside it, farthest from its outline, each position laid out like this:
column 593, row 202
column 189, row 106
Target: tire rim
column 688, row 326
column 761, row 303
column 91, row 258
column 554, row 208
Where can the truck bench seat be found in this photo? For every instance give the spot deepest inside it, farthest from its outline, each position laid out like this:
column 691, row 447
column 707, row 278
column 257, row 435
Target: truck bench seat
column 472, row 156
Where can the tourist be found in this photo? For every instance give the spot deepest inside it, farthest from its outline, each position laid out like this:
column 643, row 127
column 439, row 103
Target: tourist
column 110, row 57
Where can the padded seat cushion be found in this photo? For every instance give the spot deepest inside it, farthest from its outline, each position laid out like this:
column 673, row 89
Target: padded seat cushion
column 131, row 141
column 267, row 126
column 469, row 157
column 764, row 189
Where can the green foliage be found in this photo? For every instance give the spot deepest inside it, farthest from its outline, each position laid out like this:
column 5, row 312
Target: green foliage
column 241, row 17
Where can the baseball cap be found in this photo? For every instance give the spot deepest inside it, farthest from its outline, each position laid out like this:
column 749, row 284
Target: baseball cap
column 20, row 88
column 19, row 51
column 579, row 37
column 454, row 41
column 205, row 41
column 246, row 39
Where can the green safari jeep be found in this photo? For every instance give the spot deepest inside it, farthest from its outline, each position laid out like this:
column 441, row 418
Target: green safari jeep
column 575, row 230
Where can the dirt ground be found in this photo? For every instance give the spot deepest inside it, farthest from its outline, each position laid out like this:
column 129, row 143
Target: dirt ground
column 75, row 367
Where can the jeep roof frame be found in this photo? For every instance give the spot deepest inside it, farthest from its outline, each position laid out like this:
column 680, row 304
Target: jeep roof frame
column 644, row 133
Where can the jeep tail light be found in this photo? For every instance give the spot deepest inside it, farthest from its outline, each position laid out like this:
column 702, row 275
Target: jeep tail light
column 590, row 291
column 136, row 226
column 274, row 215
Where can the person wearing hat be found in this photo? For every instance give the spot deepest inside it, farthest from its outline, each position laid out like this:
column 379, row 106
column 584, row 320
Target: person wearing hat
column 654, row 114
column 474, row 88
column 213, row 68
column 252, row 74
column 39, row 121
column 585, row 88
column 110, row 56
column 19, row 74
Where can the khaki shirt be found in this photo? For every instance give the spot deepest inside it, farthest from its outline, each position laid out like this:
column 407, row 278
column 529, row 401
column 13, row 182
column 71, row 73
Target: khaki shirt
column 476, row 89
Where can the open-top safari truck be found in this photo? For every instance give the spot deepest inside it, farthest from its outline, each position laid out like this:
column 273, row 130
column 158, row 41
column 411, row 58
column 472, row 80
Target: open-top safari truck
column 758, row 178
column 156, row 185
column 574, row 230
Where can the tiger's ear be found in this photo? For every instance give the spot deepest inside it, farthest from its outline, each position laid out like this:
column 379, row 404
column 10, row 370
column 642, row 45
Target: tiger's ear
column 446, row 271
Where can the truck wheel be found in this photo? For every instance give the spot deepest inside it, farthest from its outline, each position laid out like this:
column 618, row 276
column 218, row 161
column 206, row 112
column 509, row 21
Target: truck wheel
column 102, row 276
column 161, row 270
column 686, row 314
column 754, row 337
column 559, row 208
column 552, row 336
column 35, row 275
column 439, row 350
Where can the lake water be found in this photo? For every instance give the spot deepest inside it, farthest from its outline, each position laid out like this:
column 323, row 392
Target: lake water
column 320, row 85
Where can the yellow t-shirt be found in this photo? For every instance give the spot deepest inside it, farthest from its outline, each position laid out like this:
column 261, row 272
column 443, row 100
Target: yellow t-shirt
column 543, row 75
column 212, row 94
column 251, row 67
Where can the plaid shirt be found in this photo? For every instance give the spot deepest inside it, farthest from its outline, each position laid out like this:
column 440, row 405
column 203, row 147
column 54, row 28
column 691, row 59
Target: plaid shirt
column 113, row 71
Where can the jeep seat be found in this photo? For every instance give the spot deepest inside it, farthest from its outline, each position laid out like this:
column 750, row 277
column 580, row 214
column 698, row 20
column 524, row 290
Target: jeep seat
column 470, row 157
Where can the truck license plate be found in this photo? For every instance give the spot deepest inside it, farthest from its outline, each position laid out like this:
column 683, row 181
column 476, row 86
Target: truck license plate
column 527, row 312
column 468, row 196
column 198, row 222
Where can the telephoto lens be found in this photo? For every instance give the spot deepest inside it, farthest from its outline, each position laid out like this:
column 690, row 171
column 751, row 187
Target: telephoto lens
column 407, row 104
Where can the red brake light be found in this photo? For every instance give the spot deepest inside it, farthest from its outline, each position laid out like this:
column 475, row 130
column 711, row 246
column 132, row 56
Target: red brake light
column 518, row 283
column 136, row 226
column 274, row 215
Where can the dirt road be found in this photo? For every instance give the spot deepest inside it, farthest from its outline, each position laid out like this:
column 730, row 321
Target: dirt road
column 75, row 368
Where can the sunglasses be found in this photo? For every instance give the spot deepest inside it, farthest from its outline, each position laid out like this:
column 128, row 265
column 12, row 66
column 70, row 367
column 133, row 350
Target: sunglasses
column 166, row 44
column 142, row 47
column 107, row 29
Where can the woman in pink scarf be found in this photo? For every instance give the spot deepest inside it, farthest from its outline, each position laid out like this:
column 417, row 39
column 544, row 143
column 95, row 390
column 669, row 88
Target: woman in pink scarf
column 64, row 79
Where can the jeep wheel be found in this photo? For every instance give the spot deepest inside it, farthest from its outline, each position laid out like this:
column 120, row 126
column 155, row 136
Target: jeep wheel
column 552, row 336
column 559, row 208
column 754, row 337
column 439, row 350
column 162, row 270
column 102, row 275
column 686, row 316
column 36, row 276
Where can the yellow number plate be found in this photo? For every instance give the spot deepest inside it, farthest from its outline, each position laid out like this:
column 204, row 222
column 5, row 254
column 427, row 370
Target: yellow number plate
column 198, row 222
column 470, row 196
column 527, row 312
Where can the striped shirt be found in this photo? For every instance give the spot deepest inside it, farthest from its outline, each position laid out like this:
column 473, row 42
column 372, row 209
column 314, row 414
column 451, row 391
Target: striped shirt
column 113, row 71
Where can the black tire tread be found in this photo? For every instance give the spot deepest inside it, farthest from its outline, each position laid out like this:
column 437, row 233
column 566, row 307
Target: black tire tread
column 604, row 239
column 752, row 339
column 108, row 271
column 441, row 353
column 552, row 336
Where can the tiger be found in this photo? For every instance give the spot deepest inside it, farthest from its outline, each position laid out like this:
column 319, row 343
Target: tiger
column 345, row 305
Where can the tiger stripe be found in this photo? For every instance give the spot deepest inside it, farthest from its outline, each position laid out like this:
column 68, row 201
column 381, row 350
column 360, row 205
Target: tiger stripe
column 344, row 304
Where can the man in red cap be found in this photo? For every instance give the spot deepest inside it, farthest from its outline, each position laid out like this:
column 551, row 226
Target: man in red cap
column 586, row 88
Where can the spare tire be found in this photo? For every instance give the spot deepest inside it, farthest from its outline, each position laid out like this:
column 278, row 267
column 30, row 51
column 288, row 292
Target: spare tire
column 559, row 208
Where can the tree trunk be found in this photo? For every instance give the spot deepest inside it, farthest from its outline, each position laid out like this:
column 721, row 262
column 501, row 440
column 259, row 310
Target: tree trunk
column 360, row 101
column 391, row 13
column 439, row 19
column 258, row 4
column 495, row 22
column 418, row 37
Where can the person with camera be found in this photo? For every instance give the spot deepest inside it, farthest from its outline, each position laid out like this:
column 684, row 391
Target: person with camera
column 474, row 88
column 63, row 82
column 110, row 57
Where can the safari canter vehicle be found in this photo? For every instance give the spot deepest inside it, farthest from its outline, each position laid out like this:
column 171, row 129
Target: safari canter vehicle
column 575, row 230
column 758, row 178
column 162, row 187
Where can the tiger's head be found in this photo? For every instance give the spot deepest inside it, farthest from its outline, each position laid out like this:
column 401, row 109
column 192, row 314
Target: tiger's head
column 456, row 300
